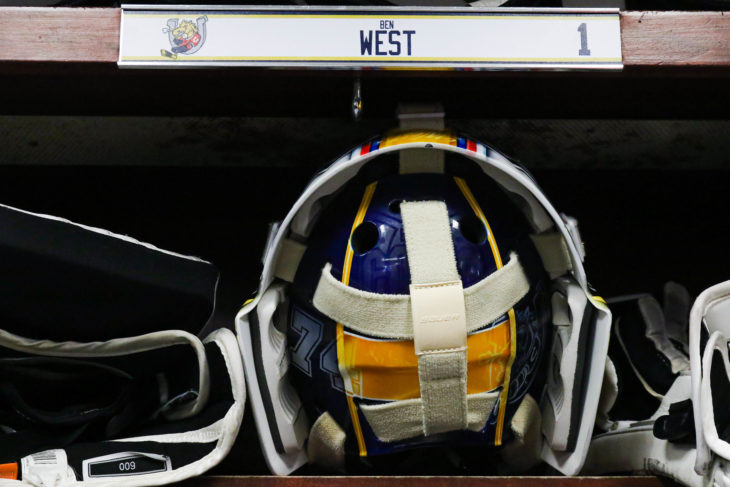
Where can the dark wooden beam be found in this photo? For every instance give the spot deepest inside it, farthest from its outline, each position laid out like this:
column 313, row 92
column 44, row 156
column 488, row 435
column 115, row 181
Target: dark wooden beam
column 423, row 482
column 79, row 35
column 675, row 39
column 657, row 40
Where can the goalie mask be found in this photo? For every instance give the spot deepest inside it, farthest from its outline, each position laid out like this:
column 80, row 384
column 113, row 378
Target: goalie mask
column 410, row 301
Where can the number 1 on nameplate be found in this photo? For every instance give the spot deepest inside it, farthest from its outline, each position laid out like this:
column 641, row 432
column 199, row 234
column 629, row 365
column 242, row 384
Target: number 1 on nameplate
column 583, row 51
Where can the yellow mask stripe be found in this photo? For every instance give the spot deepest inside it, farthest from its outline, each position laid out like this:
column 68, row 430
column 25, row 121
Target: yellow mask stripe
column 345, row 360
column 511, row 314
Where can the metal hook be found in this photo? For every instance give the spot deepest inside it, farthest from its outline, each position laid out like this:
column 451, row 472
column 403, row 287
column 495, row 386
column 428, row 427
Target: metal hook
column 357, row 100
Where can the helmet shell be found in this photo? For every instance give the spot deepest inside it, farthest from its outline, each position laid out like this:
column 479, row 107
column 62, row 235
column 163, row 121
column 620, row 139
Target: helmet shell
column 379, row 263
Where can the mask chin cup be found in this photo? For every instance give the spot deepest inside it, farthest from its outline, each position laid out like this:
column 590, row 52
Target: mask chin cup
column 583, row 342
column 711, row 309
column 582, row 329
column 280, row 418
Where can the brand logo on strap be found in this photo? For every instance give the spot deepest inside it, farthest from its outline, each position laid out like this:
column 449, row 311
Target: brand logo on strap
column 439, row 318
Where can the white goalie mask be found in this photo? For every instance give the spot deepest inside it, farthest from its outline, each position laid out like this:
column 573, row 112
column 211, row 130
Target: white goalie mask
column 580, row 322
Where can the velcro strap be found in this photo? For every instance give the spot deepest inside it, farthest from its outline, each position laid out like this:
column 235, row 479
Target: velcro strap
column 288, row 261
column 554, row 253
column 415, row 161
column 523, row 452
column 439, row 315
column 399, row 420
column 442, row 377
column 390, row 315
column 326, row 444
column 431, row 257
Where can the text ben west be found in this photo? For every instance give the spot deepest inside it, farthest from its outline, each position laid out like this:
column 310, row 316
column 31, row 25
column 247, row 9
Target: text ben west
column 387, row 41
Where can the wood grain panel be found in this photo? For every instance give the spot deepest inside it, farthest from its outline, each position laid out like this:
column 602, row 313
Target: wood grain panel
column 677, row 39
column 59, row 34
column 650, row 39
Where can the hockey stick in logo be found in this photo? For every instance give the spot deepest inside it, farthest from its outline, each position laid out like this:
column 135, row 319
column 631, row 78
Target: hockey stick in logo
column 185, row 37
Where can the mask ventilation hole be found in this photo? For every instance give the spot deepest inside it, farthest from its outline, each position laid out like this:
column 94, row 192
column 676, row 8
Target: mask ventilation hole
column 364, row 237
column 473, row 229
column 394, row 206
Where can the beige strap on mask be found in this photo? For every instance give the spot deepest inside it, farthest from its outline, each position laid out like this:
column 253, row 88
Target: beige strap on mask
column 554, row 253
column 326, row 445
column 400, row 420
column 439, row 316
column 289, row 257
column 390, row 316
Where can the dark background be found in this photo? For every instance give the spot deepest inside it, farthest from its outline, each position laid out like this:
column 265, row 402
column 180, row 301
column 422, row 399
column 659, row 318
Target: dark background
column 640, row 227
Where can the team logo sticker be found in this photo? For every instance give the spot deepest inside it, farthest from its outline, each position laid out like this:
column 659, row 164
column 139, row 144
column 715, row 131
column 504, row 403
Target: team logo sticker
column 185, row 36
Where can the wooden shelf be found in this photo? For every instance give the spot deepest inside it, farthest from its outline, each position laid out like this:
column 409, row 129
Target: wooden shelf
column 62, row 61
column 425, row 482
column 38, row 34
column 664, row 40
column 657, row 40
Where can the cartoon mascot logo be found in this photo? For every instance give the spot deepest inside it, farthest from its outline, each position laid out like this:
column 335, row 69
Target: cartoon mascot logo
column 185, row 36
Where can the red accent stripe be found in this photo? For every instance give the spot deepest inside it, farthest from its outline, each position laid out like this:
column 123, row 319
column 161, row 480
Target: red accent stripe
column 364, row 149
column 471, row 145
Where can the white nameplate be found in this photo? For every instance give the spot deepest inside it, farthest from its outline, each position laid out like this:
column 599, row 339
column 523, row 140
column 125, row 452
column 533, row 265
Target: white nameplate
column 366, row 37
